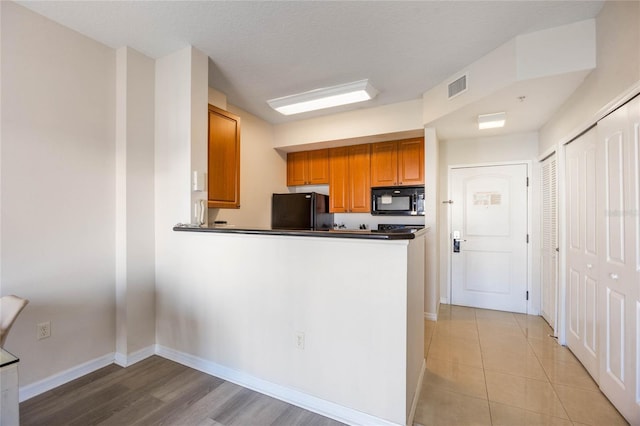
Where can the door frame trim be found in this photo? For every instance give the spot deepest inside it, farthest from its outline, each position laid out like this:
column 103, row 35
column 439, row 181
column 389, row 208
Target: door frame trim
column 531, row 308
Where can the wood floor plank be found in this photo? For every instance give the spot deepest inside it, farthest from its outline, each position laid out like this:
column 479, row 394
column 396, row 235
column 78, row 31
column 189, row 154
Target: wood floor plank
column 294, row 416
column 180, row 399
column 250, row 407
column 64, row 414
column 203, row 408
column 157, row 391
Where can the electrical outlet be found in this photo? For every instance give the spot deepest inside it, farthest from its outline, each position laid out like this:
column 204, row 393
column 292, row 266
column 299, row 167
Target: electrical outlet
column 299, row 340
column 44, row 330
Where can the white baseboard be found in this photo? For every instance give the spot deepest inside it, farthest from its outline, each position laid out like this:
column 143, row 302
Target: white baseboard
column 29, row 391
column 292, row 396
column 430, row 316
column 416, row 394
column 137, row 356
column 444, row 300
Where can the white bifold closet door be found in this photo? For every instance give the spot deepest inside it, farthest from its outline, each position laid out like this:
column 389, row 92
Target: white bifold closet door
column 619, row 247
column 549, row 274
column 581, row 200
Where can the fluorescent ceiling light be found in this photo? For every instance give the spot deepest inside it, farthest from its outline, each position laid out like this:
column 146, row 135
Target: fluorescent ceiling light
column 491, row 121
column 327, row 97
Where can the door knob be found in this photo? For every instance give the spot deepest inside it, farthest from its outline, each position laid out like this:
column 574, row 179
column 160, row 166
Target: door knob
column 613, row 276
column 456, row 241
column 589, row 266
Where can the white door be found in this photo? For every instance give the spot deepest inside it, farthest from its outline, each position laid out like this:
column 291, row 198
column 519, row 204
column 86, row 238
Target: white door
column 619, row 313
column 549, row 262
column 489, row 220
column 582, row 250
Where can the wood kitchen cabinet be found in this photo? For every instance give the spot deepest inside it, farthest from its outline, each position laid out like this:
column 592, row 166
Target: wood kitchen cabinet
column 349, row 179
column 308, row 167
column 397, row 163
column 224, row 159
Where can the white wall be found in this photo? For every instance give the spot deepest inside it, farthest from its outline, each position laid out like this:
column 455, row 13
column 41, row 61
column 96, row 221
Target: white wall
column 58, row 191
column 135, row 240
column 516, row 147
column 618, row 69
column 433, row 221
column 242, row 321
column 263, row 171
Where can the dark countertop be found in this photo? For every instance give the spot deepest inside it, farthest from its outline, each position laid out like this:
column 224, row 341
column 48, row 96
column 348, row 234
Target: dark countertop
column 340, row 233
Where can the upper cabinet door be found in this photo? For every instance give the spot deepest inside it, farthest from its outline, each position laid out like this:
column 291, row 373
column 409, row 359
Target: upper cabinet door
column 318, row 166
column 397, row 163
column 338, row 183
column 411, row 162
column 296, row 168
column 224, row 159
column 384, row 164
column 360, row 178
column 308, row 167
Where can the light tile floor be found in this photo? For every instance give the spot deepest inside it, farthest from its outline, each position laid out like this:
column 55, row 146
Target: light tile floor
column 498, row 368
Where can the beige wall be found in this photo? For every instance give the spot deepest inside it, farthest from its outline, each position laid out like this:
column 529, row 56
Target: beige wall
column 135, row 239
column 263, row 171
column 58, row 200
column 403, row 119
column 618, row 69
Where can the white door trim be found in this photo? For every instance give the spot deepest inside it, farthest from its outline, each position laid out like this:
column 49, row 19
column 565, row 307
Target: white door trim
column 531, row 309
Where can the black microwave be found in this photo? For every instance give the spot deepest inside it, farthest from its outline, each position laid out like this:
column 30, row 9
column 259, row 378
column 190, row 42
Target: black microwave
column 398, row 201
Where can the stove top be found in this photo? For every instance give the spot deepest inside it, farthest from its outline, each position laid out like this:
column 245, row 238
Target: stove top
column 397, row 227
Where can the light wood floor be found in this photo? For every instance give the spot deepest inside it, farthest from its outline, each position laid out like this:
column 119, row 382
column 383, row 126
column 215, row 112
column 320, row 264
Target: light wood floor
column 157, row 391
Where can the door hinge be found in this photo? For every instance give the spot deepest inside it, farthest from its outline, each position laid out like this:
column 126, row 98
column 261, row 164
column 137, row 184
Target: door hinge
column 527, row 181
column 527, row 294
column 527, row 238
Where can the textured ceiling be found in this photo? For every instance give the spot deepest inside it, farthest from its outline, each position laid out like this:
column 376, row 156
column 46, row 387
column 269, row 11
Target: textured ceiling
column 264, row 50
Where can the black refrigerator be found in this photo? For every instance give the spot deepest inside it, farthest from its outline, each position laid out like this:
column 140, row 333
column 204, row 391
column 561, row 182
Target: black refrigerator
column 303, row 210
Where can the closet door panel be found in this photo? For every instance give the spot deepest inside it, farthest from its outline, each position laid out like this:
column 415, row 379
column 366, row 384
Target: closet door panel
column 574, row 305
column 615, row 341
column 582, row 251
column 634, row 117
column 617, row 134
column 591, row 315
column 549, row 308
column 614, row 199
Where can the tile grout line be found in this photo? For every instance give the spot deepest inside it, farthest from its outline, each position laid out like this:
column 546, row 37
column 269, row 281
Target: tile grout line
column 484, row 372
column 553, row 387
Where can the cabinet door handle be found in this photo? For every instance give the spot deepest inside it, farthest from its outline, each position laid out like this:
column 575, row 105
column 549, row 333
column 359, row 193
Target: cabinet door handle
column 613, row 276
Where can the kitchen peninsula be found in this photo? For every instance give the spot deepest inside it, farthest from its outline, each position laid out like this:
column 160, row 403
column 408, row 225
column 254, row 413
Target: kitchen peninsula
column 330, row 321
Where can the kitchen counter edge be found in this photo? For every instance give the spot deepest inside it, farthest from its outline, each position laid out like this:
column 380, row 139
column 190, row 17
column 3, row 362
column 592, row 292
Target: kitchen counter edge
column 361, row 235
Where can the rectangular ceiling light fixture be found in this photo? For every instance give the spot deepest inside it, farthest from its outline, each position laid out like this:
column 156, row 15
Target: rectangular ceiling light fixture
column 327, row 97
column 491, row 121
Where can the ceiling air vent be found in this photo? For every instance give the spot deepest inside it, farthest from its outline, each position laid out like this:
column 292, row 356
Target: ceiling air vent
column 457, row 86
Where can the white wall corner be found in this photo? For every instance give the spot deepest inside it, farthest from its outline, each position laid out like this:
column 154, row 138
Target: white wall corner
column 416, row 394
column 124, row 360
column 555, row 51
column 199, row 118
